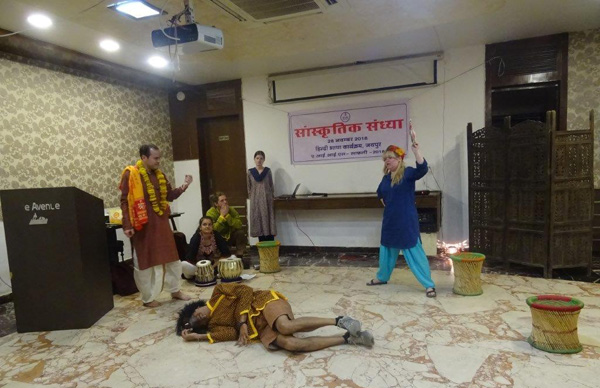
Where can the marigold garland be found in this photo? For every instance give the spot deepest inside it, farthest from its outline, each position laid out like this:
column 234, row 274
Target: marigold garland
column 162, row 184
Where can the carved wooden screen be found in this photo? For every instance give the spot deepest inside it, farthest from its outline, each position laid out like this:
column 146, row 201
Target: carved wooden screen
column 528, row 202
column 487, row 190
column 531, row 194
column 572, row 198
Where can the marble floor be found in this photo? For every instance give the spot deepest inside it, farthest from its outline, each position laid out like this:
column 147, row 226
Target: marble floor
column 450, row 341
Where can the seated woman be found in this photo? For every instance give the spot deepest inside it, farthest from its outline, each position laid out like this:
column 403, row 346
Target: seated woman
column 204, row 245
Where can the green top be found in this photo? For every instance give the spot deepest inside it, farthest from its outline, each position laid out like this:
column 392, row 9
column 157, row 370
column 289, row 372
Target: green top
column 468, row 257
column 225, row 225
column 267, row 244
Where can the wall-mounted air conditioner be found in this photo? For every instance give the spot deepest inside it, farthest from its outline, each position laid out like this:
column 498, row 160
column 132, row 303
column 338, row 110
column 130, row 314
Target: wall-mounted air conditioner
column 267, row 11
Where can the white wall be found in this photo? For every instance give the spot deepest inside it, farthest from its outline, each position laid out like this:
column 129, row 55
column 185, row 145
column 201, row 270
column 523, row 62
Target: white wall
column 190, row 202
column 440, row 115
column 4, row 271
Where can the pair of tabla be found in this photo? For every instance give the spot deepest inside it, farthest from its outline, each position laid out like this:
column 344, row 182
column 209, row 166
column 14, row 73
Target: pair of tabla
column 230, row 270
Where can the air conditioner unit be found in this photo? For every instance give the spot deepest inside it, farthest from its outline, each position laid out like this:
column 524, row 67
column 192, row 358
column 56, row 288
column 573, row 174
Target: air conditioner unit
column 267, row 11
column 190, row 38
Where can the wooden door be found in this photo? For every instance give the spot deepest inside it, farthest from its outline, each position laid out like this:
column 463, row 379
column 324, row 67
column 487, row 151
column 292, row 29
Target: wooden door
column 223, row 161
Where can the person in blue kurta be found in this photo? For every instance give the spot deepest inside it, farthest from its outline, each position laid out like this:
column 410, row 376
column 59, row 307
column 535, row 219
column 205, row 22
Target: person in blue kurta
column 400, row 226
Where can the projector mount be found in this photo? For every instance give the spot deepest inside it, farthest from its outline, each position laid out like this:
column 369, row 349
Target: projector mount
column 188, row 12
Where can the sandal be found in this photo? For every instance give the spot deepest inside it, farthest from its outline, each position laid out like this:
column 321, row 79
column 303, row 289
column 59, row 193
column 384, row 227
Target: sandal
column 430, row 292
column 373, row 283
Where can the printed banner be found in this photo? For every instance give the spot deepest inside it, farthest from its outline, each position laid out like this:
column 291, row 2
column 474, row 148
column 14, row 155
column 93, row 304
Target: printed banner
column 347, row 135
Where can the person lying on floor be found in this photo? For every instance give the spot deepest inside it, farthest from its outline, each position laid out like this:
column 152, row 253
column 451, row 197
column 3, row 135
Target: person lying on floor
column 238, row 312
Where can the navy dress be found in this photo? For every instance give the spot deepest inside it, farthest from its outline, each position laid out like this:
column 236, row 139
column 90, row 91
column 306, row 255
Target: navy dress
column 400, row 227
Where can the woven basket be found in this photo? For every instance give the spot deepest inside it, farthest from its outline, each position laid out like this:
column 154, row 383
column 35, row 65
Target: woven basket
column 554, row 321
column 467, row 273
column 268, row 251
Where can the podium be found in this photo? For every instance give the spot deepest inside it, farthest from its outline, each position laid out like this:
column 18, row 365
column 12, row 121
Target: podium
column 56, row 243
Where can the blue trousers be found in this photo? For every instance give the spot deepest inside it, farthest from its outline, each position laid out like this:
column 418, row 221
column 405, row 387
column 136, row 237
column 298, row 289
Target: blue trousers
column 415, row 258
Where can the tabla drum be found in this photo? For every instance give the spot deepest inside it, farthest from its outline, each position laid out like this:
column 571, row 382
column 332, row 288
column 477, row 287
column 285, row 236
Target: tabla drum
column 205, row 274
column 230, row 269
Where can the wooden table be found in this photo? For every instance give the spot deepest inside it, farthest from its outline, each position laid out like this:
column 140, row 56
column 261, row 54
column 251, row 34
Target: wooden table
column 431, row 202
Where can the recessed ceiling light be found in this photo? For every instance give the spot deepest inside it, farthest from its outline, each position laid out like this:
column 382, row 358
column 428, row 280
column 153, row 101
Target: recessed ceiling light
column 39, row 21
column 109, row 45
column 158, row 62
column 135, row 8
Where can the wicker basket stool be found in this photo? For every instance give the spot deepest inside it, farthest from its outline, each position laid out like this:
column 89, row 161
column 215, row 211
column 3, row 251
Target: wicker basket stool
column 467, row 273
column 554, row 321
column 268, row 251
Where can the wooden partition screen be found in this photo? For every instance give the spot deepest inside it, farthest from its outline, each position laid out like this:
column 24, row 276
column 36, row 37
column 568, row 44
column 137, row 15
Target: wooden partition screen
column 572, row 198
column 531, row 194
column 487, row 149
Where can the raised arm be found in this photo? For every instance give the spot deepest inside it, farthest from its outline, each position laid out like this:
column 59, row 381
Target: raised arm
column 233, row 219
column 422, row 168
column 417, row 152
column 173, row 194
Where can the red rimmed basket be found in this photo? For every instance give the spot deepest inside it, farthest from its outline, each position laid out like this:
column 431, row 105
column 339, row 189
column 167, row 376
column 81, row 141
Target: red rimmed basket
column 467, row 273
column 554, row 323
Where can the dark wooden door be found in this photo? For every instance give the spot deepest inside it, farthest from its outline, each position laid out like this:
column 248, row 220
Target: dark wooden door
column 223, row 160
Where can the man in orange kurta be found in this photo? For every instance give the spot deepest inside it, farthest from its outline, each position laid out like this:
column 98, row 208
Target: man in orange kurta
column 147, row 224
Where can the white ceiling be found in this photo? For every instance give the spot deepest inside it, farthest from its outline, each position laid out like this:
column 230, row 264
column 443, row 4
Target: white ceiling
column 354, row 30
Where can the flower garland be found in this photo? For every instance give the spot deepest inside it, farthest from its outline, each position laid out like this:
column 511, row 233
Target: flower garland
column 397, row 150
column 162, row 184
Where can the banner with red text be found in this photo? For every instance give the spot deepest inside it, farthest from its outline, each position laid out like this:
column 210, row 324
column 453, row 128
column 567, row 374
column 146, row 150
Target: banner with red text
column 347, row 135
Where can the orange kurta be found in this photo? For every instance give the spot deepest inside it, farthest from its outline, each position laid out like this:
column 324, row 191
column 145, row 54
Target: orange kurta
column 154, row 244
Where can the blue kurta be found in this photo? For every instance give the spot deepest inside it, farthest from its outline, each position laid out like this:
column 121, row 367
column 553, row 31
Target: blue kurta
column 400, row 226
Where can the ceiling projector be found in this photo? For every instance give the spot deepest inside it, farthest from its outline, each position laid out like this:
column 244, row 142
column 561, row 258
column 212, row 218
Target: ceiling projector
column 189, row 38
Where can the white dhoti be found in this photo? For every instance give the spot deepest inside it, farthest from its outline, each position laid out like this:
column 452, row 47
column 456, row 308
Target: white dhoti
column 150, row 280
column 188, row 269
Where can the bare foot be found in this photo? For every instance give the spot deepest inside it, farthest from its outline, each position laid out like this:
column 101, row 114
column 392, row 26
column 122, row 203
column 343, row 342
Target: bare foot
column 152, row 304
column 180, row 295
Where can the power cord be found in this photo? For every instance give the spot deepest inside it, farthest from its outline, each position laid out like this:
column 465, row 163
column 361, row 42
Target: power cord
column 7, row 285
column 307, row 236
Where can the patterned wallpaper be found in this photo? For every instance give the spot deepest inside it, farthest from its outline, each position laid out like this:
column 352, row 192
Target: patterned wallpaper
column 584, row 87
column 58, row 129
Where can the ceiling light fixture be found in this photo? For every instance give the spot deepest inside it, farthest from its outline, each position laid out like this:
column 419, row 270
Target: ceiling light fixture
column 157, row 62
column 39, row 21
column 109, row 45
column 136, row 9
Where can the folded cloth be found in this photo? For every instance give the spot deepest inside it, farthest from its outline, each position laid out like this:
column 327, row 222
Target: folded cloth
column 138, row 214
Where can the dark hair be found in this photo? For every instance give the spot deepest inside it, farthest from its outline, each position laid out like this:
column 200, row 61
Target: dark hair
column 146, row 148
column 214, row 198
column 205, row 218
column 259, row 153
column 185, row 316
